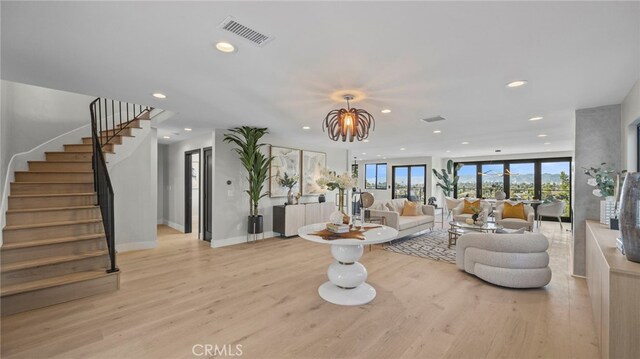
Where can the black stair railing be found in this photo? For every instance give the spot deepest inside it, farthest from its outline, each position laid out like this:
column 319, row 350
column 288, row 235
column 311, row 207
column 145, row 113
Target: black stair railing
column 108, row 119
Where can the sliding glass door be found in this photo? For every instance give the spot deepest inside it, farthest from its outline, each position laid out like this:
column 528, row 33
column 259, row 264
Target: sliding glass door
column 555, row 183
column 467, row 181
column 522, row 180
column 492, row 179
column 409, row 182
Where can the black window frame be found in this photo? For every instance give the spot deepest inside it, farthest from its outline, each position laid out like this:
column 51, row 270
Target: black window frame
column 376, row 181
column 393, row 180
column 638, row 148
column 537, row 176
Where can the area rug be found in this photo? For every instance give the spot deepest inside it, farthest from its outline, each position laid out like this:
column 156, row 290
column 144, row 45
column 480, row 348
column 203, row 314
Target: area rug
column 430, row 244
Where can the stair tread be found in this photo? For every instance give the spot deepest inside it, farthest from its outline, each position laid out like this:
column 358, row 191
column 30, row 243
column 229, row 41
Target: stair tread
column 50, row 224
column 10, row 267
column 41, row 209
column 45, row 242
column 52, row 282
column 60, row 161
column 51, row 194
column 47, row 172
column 57, row 182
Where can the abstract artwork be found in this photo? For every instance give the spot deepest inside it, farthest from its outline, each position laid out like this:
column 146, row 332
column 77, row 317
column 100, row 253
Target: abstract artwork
column 312, row 165
column 285, row 160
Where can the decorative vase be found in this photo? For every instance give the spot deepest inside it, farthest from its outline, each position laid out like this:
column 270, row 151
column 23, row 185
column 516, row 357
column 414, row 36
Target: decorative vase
column 321, row 198
column 290, row 197
column 607, row 209
column 345, row 217
column 630, row 216
column 474, row 217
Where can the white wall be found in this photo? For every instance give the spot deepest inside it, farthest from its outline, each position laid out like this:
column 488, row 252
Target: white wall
column 630, row 119
column 32, row 115
column 173, row 203
column 134, row 181
column 231, row 204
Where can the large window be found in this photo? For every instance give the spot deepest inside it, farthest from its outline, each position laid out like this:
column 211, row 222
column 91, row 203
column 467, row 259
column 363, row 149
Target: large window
column 555, row 182
column 410, row 182
column 522, row 180
column 492, row 179
column 468, row 175
column 537, row 179
column 375, row 176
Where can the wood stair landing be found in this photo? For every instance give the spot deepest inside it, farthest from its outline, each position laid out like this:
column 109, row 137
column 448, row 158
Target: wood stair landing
column 55, row 249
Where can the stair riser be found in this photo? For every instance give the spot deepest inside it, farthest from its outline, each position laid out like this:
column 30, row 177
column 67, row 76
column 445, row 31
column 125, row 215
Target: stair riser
column 53, row 270
column 21, row 302
column 75, row 177
column 30, row 234
column 117, row 140
column 126, row 132
column 45, row 216
column 68, row 156
column 58, row 249
column 18, row 188
column 52, row 202
column 60, row 166
column 85, row 148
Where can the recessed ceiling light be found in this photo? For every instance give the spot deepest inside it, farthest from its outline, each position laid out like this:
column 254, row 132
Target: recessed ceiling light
column 365, row 140
column 448, row 151
column 159, row 95
column 225, row 47
column 536, row 118
column 187, row 129
column 364, row 153
column 465, row 143
column 547, row 150
column 384, row 158
column 402, row 149
column 517, row 83
column 306, row 127
column 386, row 110
column 542, row 135
column 437, row 131
column 166, row 137
column 547, row 143
column 378, row 155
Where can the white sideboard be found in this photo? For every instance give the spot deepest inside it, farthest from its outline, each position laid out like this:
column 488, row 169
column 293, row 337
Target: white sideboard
column 287, row 219
column 614, row 288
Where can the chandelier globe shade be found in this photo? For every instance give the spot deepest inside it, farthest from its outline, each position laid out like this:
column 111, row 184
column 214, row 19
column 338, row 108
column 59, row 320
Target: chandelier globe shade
column 348, row 123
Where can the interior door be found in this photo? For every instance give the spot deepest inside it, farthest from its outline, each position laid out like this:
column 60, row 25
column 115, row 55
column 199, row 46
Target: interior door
column 208, row 187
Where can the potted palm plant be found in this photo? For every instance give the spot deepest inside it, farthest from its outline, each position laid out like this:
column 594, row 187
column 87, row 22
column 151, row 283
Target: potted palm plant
column 257, row 165
column 447, row 177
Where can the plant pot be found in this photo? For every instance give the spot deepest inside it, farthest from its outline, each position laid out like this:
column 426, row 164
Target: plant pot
column 613, row 224
column 630, row 216
column 255, row 224
column 321, row 198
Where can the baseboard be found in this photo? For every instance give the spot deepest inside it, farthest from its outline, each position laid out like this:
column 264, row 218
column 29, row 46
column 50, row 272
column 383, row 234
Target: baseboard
column 217, row 243
column 177, row 227
column 134, row 246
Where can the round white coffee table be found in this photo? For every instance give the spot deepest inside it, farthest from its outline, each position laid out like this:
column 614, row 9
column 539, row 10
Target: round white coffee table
column 346, row 285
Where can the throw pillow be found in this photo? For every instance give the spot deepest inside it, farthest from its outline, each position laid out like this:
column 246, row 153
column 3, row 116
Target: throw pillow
column 469, row 204
column 410, row 209
column 514, row 211
column 390, row 207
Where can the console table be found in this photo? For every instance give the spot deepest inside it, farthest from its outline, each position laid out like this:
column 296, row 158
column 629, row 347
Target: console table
column 614, row 288
column 287, row 219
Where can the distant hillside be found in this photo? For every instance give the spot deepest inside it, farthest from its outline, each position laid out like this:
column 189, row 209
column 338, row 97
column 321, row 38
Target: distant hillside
column 525, row 178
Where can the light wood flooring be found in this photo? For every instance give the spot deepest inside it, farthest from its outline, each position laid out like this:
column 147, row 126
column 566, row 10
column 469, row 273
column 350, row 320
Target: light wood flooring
column 264, row 297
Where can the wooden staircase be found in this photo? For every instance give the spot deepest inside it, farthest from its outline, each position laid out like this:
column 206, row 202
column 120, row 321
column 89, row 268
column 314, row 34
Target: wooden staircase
column 54, row 247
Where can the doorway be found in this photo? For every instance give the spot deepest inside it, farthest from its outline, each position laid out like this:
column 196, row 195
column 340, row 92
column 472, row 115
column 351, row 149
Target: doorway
column 409, row 182
column 206, row 196
column 192, row 191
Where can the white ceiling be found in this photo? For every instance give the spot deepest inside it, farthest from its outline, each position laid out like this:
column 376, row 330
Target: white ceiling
column 418, row 59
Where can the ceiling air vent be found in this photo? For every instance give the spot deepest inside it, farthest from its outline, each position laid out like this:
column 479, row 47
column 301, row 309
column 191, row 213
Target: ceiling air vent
column 234, row 27
column 433, row 119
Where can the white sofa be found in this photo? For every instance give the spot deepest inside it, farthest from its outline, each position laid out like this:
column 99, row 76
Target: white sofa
column 508, row 260
column 405, row 225
column 461, row 217
column 516, row 223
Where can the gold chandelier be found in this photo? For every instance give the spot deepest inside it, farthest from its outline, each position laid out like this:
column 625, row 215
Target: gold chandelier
column 348, row 123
